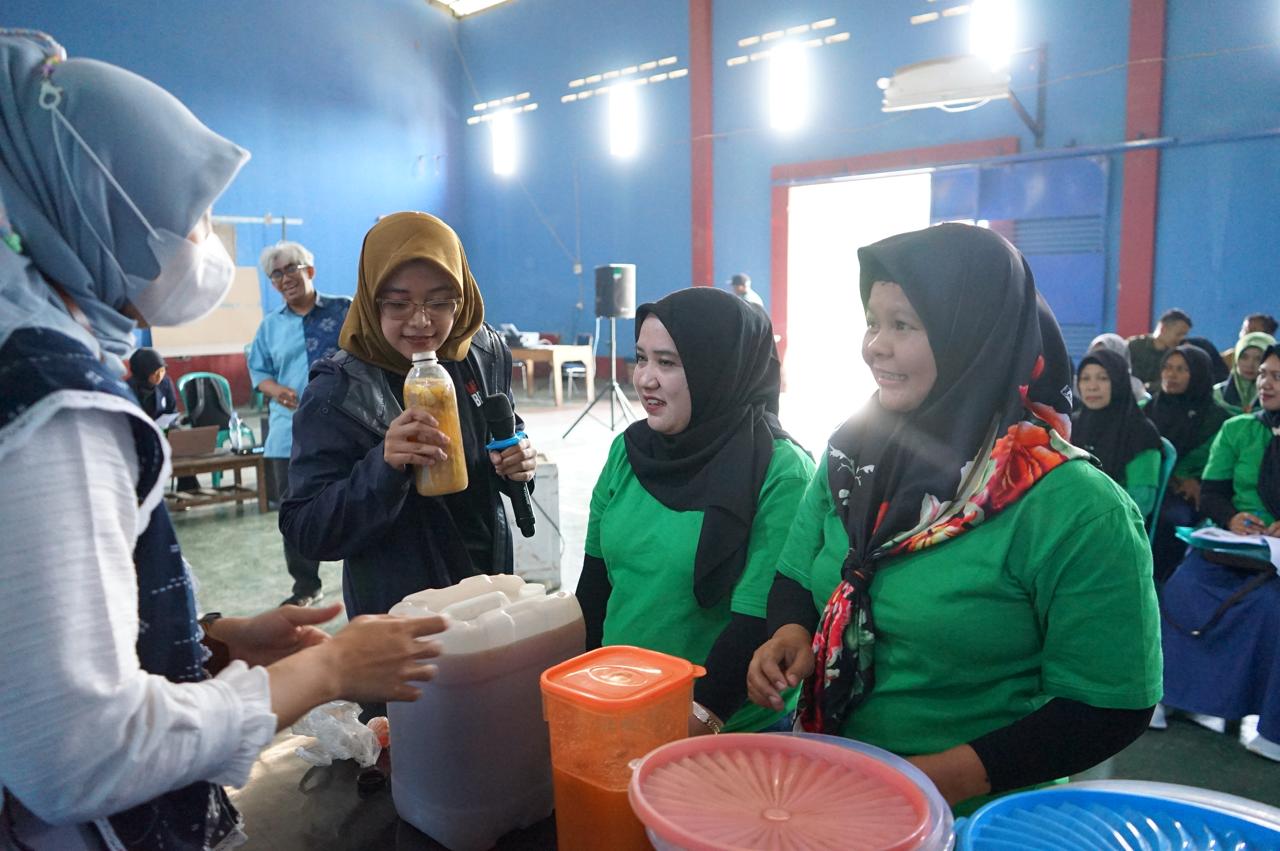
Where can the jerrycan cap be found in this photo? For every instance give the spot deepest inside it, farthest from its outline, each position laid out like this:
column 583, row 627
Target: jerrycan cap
column 618, row 677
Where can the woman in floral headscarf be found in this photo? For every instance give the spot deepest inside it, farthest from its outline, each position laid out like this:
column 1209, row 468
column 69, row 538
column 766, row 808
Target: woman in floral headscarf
column 972, row 592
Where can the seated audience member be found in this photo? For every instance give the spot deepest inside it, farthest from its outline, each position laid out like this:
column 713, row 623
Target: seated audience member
column 1116, row 343
column 992, row 659
column 113, row 734
column 1232, row 668
column 1262, row 322
column 1184, row 412
column 1147, row 350
column 1110, row 425
column 1240, row 391
column 148, row 381
column 351, row 493
column 691, row 510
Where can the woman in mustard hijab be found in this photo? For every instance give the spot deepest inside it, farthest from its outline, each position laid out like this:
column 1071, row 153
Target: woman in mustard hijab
column 351, row 494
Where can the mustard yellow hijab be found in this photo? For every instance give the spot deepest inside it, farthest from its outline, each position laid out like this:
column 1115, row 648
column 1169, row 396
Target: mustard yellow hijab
column 392, row 242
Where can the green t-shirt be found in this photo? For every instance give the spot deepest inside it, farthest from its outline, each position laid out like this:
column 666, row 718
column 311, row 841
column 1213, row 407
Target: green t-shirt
column 1053, row 597
column 1191, row 465
column 1237, row 455
column 648, row 550
column 1142, row 478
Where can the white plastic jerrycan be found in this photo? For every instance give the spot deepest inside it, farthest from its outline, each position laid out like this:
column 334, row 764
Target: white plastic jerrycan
column 471, row 759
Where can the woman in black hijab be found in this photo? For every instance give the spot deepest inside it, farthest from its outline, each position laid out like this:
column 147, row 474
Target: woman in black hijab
column 1184, row 412
column 150, row 384
column 970, row 590
column 694, row 503
column 1111, row 427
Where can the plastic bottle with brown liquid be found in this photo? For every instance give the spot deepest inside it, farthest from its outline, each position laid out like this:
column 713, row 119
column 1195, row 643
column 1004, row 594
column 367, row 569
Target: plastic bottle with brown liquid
column 429, row 388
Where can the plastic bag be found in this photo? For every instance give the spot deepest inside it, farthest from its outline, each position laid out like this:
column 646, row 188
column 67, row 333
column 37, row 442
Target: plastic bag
column 338, row 734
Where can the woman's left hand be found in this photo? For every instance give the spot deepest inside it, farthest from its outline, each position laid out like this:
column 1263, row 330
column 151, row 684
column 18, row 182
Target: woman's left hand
column 276, row 633
column 1189, row 489
column 1273, row 530
column 516, row 462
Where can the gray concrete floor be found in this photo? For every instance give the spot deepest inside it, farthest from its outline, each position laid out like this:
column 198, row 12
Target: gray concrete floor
column 237, row 559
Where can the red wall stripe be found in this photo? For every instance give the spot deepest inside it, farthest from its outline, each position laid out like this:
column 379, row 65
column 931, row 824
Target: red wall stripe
column 1139, row 199
column 703, row 150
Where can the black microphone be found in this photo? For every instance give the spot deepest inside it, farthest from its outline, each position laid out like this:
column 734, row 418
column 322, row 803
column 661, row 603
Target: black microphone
column 502, row 426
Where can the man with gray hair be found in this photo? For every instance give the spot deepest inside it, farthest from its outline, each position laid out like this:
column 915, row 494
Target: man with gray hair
column 292, row 337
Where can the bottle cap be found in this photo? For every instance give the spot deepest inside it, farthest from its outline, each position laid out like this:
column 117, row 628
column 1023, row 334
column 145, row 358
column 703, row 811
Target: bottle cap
column 429, row 357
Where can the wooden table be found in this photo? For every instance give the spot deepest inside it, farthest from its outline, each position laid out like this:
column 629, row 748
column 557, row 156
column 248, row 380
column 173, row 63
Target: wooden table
column 219, row 462
column 557, row 357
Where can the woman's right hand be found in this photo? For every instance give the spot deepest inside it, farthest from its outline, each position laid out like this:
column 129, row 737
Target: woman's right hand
column 779, row 664
column 1245, row 523
column 414, row 438
column 374, row 658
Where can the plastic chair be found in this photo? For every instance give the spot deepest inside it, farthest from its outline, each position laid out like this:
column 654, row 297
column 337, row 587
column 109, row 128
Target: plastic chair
column 224, row 394
column 577, row 369
column 1168, row 458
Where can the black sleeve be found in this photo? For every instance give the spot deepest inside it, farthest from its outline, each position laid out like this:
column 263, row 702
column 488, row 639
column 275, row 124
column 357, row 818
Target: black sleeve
column 593, row 595
column 1061, row 738
column 789, row 602
column 724, row 689
column 1216, row 501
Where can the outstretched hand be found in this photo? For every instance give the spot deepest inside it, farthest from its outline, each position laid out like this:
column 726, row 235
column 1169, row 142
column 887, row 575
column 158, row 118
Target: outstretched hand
column 274, row 634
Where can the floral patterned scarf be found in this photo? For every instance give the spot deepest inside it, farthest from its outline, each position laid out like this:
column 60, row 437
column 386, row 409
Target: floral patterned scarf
column 996, row 421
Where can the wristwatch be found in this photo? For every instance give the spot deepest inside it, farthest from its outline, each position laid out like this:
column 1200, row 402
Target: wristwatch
column 704, row 715
column 207, row 619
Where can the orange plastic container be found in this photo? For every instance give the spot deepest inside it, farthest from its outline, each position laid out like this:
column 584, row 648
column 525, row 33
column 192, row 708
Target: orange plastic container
column 605, row 709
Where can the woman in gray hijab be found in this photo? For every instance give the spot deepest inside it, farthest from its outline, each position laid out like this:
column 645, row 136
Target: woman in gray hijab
column 1117, row 344
column 112, row 733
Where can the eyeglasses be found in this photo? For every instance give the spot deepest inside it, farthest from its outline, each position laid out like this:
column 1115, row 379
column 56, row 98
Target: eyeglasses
column 277, row 275
column 399, row 310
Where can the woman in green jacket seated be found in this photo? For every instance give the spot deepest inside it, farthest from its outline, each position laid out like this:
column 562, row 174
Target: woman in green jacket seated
column 695, row 501
column 1110, row 425
column 1239, row 392
column 1184, row 412
column 985, row 591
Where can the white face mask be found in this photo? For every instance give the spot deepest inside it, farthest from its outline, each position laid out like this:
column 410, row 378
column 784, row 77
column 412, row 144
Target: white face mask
column 194, row 277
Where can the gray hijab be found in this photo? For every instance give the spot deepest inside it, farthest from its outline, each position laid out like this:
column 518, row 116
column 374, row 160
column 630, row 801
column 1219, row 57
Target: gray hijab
column 171, row 166
column 1116, row 343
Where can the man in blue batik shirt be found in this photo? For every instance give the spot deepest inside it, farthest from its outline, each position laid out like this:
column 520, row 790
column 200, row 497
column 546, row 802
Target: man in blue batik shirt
column 290, row 339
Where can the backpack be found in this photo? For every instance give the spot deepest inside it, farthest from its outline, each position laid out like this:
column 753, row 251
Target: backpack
column 205, row 404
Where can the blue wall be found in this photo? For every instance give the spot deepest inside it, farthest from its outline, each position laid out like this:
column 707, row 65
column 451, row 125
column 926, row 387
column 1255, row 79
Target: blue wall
column 337, row 102
column 523, row 232
column 1215, row 239
column 356, row 109
column 1218, row 244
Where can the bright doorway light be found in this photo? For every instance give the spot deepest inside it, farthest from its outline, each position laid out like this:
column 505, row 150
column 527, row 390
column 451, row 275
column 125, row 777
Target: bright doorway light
column 825, row 377
column 624, row 121
column 503, row 126
column 992, row 31
column 788, row 87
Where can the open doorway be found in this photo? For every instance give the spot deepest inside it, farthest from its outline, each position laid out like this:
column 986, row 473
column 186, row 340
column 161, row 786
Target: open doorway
column 826, row 223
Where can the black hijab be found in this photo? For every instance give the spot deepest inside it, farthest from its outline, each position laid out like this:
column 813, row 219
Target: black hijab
column 1118, row 432
column 1218, row 370
column 988, row 330
column 142, row 363
column 1190, row 418
column 1269, row 475
column 718, row 463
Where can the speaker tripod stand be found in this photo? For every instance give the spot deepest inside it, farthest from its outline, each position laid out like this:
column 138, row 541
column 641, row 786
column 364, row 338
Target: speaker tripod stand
column 618, row 402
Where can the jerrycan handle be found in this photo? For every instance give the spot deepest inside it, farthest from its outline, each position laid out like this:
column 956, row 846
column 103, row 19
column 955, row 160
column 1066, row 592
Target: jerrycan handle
column 470, row 609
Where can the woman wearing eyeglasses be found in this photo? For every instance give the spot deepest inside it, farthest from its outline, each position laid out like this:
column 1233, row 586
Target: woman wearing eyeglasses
column 350, row 477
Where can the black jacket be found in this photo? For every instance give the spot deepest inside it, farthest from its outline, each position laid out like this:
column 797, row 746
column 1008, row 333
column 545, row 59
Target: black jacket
column 345, row 502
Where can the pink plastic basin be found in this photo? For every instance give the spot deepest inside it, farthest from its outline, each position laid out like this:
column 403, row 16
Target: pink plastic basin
column 734, row 791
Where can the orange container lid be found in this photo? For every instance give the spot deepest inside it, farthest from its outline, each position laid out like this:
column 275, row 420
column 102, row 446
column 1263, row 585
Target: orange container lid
column 617, row 678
